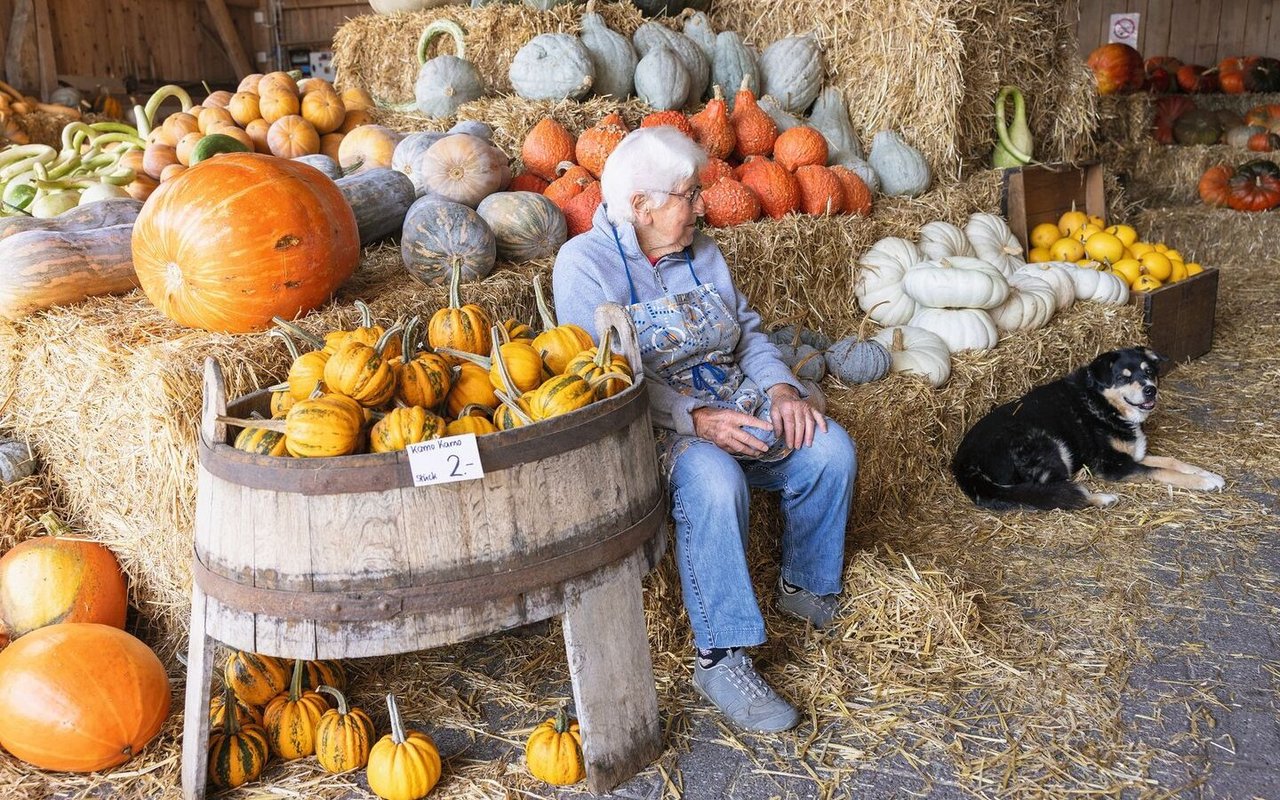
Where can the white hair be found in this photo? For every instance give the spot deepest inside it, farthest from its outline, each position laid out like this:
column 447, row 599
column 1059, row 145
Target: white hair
column 653, row 161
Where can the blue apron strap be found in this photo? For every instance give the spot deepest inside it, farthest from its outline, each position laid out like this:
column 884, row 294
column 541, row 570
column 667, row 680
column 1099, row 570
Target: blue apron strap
column 700, row 383
column 688, row 259
column 630, row 283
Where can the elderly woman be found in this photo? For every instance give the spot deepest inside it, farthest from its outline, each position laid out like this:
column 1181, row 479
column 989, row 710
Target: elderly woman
column 729, row 414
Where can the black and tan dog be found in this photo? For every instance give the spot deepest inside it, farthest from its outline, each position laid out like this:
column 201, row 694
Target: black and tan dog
column 1024, row 454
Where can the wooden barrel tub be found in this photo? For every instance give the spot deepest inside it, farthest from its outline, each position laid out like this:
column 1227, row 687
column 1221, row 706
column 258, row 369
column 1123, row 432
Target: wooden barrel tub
column 345, row 557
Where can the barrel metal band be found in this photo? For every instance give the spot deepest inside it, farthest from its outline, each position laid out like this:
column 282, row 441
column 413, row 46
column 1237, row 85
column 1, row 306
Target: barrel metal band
column 385, row 471
column 384, row 604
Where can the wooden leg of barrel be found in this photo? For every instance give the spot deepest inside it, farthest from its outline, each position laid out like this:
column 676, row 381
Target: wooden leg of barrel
column 613, row 689
column 195, row 723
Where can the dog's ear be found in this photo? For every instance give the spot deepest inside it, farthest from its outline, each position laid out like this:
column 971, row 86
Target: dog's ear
column 1160, row 361
column 1100, row 370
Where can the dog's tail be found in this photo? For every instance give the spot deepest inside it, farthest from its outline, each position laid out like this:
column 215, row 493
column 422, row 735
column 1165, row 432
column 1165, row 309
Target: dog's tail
column 1004, row 497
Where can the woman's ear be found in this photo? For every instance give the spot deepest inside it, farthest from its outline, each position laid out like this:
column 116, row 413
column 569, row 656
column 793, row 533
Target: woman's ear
column 640, row 207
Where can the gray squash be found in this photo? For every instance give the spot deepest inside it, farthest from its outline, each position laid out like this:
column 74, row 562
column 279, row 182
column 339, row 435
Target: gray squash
column 439, row 234
column 787, row 334
column 445, row 82
column 780, row 116
column 733, row 60
column 323, row 163
column 698, row 28
column 803, row 361
column 16, row 461
column 662, row 80
column 651, row 35
column 902, row 168
column 830, row 116
column 669, row 8
column 473, row 127
column 612, row 56
column 792, row 70
column 863, row 170
column 380, row 197
column 855, row 360
column 552, row 66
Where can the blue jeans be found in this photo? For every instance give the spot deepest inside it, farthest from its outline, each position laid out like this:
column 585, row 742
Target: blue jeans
column 709, row 499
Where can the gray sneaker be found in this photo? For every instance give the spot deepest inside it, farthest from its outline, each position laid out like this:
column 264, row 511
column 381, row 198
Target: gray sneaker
column 805, row 605
column 735, row 688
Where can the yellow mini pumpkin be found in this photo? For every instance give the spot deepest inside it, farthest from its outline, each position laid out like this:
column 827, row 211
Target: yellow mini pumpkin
column 458, row 326
column 306, row 370
column 360, row 372
column 344, row 735
column 245, row 713
column 597, row 361
column 291, row 718
column 402, row 765
column 324, row 427
column 261, row 441
column 471, row 386
column 554, row 751
column 562, row 394
column 470, row 423
column 325, row 672
column 422, row 378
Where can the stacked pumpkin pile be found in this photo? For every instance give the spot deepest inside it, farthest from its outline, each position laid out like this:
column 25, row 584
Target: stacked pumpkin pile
column 378, row 388
column 79, row 693
column 1252, row 186
column 1178, row 120
column 1119, row 68
column 963, row 289
column 1089, row 242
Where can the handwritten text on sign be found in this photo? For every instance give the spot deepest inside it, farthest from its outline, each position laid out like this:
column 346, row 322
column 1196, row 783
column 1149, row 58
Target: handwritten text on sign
column 445, row 460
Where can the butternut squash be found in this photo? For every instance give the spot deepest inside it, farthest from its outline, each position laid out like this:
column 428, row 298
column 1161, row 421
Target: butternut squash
column 44, row 268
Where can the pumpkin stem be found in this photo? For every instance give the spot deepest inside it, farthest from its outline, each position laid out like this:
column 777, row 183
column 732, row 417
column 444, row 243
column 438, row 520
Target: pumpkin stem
column 515, row 406
column 315, row 341
column 265, row 424
column 386, row 337
column 338, row 697
column 469, row 407
column 503, row 374
column 548, row 319
column 295, row 683
column 898, row 344
column 604, row 353
column 597, row 380
column 862, row 328
column 478, row 360
column 562, row 719
column 289, row 343
column 800, row 364
column 53, row 525
column 397, row 726
column 455, row 287
column 230, row 719
column 407, row 345
column 366, row 314
column 435, row 29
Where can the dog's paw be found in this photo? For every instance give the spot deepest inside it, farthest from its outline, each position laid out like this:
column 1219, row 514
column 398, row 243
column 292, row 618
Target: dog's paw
column 1210, row 481
column 1102, row 500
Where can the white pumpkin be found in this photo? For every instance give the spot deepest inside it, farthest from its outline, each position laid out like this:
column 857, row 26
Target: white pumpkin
column 993, row 241
column 956, row 282
column 1098, row 286
column 916, row 351
column 878, row 284
column 960, row 328
column 1058, row 275
column 1029, row 306
column 941, row 239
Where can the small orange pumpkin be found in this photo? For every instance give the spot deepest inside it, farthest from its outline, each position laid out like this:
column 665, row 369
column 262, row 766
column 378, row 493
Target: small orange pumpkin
column 777, row 189
column 729, row 203
column 857, row 195
column 821, row 192
column 597, row 142
column 712, row 129
column 544, row 148
column 580, row 210
column 800, row 146
column 293, row 136
column 322, row 107
column 754, row 130
column 674, row 119
column 571, row 183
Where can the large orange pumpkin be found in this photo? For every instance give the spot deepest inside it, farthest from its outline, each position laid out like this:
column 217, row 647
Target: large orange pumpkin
column 1117, row 68
column 242, row 238
column 80, row 697
column 53, row 579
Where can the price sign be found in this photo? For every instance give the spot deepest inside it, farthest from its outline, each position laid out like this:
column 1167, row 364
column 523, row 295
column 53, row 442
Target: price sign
column 445, row 460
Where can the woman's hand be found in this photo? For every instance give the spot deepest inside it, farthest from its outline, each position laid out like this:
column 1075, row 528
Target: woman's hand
column 794, row 420
column 723, row 428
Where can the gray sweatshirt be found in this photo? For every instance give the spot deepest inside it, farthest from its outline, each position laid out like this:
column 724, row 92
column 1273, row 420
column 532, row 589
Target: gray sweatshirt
column 589, row 271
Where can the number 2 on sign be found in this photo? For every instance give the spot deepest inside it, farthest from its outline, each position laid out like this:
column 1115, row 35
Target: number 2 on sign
column 445, row 460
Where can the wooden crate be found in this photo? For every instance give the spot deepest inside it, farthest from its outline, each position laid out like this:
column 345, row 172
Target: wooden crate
column 1179, row 316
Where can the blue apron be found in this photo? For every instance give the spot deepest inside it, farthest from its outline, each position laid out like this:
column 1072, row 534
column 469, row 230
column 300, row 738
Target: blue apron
column 687, row 341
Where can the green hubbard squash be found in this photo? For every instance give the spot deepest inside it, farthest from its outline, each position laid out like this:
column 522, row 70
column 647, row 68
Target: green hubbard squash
column 440, row 237
column 552, row 66
column 526, row 226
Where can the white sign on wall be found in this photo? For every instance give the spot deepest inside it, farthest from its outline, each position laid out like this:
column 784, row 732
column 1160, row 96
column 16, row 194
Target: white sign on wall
column 1124, row 29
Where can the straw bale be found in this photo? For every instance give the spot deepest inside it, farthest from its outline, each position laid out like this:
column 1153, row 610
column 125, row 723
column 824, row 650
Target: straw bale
column 1214, row 236
column 1128, row 118
column 929, row 69
column 21, row 504
column 1160, row 175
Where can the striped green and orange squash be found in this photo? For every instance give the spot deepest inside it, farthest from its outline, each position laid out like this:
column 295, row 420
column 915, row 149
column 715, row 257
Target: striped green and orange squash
column 512, row 412
column 40, row 269
column 325, row 672
column 344, row 735
column 470, row 423
column 255, row 678
column 261, row 441
column 237, row 751
column 291, row 718
column 323, row 427
column 560, row 395
column 597, row 361
column 404, row 426
column 245, row 714
column 526, row 225
column 557, row 344
column 460, row 327
column 360, row 372
column 471, row 386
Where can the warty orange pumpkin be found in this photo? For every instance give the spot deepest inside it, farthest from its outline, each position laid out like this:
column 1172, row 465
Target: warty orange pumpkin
column 821, row 192
column 777, row 189
column 754, row 130
column 545, row 146
column 711, row 126
column 596, row 143
column 728, row 203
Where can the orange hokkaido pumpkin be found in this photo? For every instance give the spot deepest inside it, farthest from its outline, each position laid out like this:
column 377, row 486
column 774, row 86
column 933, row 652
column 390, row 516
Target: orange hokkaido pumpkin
column 244, row 108
column 545, row 147
column 80, row 697
column 52, row 579
column 730, row 203
column 257, row 132
column 293, row 136
column 777, row 189
column 276, row 103
column 293, row 243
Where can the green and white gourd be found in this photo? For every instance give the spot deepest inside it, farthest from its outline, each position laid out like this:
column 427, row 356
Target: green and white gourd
column 552, row 66
column 652, row 35
column 993, row 241
column 613, row 57
column 902, row 169
column 1097, row 286
column 878, row 285
column 1058, row 275
column 662, row 80
column 16, row 461
column 956, row 282
column 525, row 225
column 733, row 60
column 916, row 351
column 447, row 81
column 960, row 328
column 940, row 239
column 830, row 116
column 439, row 234
column 791, row 70
column 858, row 360
column 1029, row 306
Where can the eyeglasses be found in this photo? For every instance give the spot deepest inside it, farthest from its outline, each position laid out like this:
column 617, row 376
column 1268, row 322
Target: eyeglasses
column 691, row 197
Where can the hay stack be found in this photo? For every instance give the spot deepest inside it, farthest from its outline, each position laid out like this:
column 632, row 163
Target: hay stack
column 1216, row 236
column 1159, row 175
column 927, row 68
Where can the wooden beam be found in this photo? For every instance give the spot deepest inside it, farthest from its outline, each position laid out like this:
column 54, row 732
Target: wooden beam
column 300, row 5
column 19, row 71
column 230, row 39
column 44, row 50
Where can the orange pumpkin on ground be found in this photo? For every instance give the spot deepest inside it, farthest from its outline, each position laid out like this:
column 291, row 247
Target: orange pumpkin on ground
column 293, row 243
column 80, row 697
column 51, row 579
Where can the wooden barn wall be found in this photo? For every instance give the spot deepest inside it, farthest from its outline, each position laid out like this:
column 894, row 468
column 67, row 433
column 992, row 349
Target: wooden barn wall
column 312, row 23
column 1195, row 31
